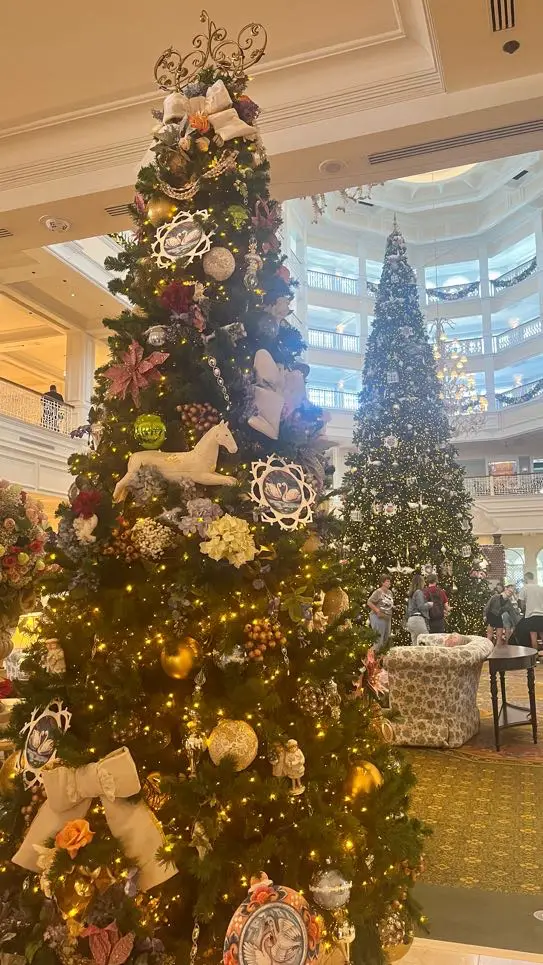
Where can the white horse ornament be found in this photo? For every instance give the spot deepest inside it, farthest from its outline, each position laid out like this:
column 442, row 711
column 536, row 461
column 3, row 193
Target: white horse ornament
column 198, row 465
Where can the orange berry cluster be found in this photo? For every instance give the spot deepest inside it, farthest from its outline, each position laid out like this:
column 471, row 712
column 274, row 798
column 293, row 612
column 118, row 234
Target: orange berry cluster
column 261, row 635
column 198, row 417
column 121, row 543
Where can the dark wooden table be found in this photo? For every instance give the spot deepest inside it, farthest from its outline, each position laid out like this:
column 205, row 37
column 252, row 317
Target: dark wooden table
column 501, row 660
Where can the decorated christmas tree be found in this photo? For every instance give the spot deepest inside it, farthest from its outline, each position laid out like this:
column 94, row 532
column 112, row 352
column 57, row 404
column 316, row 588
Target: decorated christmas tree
column 405, row 503
column 200, row 716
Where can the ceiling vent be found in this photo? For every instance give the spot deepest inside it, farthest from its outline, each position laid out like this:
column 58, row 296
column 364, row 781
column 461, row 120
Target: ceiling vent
column 118, row 210
column 502, row 14
column 6, row 233
column 520, row 175
column 461, row 140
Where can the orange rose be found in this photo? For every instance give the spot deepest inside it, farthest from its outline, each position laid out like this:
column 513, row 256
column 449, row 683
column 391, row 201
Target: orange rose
column 199, row 122
column 73, row 836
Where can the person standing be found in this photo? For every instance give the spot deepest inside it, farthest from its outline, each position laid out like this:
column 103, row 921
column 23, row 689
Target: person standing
column 418, row 609
column 381, row 603
column 493, row 615
column 531, row 601
column 440, row 605
column 51, row 402
column 511, row 615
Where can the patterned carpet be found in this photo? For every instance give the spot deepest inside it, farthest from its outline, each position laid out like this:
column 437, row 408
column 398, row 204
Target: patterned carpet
column 516, row 742
column 487, row 828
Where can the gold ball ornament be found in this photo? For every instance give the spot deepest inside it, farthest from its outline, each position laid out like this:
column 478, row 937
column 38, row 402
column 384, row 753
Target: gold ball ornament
column 219, row 263
column 365, row 777
column 8, row 773
column 202, row 143
column 394, row 953
column 181, row 662
column 160, row 211
column 235, row 739
column 335, row 603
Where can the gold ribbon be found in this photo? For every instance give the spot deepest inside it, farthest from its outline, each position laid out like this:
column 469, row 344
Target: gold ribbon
column 70, row 792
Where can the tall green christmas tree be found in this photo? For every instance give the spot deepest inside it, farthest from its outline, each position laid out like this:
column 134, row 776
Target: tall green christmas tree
column 208, row 706
column 404, row 500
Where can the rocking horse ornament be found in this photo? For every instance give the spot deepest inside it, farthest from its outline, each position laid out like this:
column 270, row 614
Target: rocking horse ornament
column 198, row 465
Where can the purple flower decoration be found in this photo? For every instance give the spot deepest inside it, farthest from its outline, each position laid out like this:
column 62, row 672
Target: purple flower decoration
column 201, row 512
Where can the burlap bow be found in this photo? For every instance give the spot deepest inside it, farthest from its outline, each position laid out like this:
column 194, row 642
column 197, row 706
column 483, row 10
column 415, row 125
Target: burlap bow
column 216, row 105
column 70, row 792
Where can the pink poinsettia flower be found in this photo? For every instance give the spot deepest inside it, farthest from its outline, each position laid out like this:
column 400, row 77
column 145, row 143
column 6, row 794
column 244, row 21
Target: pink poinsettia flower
column 134, row 372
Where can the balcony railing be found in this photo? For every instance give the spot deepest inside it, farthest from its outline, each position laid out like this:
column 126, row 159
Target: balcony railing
column 338, row 284
column 453, row 293
column 36, row 409
column 332, row 398
column 515, row 336
column 519, row 394
column 336, row 341
column 524, row 484
column 464, row 346
column 514, row 276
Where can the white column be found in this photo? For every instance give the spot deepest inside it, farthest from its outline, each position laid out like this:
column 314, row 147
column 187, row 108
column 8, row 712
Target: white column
column 538, row 231
column 79, row 373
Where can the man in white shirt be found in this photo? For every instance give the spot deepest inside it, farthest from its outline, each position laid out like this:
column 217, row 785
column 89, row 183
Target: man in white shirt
column 531, row 600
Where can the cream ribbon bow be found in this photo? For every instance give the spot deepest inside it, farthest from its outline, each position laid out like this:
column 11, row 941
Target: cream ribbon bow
column 70, row 792
column 217, row 106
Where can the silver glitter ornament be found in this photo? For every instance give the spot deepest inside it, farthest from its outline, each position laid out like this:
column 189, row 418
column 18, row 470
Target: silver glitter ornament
column 330, row 889
column 157, row 335
column 219, row 263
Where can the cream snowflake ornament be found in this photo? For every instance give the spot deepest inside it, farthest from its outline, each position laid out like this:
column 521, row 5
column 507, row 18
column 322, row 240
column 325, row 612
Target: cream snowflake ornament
column 282, row 492
column 182, row 239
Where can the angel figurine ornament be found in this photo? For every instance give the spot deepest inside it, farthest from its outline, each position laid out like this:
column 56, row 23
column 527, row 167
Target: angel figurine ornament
column 290, row 762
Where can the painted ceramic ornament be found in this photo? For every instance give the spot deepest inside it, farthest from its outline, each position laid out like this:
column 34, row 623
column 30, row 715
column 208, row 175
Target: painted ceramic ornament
column 273, row 924
column 42, row 732
column 281, row 491
column 182, row 239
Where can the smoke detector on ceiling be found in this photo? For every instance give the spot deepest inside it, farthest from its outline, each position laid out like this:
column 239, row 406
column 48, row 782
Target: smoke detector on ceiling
column 58, row 225
column 332, row 166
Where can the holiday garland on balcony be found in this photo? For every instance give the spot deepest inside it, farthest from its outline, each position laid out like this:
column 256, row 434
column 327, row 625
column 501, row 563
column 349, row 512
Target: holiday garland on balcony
column 508, row 398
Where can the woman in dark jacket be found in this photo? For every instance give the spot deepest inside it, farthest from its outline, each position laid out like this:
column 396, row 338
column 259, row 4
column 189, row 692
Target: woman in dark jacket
column 493, row 615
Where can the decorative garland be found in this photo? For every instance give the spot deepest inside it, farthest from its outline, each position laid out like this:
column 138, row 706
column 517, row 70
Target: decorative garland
column 453, row 293
column 506, row 398
column 501, row 283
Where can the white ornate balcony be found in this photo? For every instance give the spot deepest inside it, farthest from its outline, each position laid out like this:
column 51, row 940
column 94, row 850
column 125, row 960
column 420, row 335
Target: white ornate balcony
column 523, row 484
column 338, row 284
column 518, row 335
column 335, row 341
column 36, row 409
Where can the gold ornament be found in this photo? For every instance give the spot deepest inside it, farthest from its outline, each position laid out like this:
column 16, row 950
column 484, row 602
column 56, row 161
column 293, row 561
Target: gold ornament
column 180, row 664
column 74, row 894
column 393, row 953
column 152, row 792
column 235, row 739
column 8, row 773
column 160, row 211
column 335, row 603
column 202, row 143
column 365, row 777
column 261, row 635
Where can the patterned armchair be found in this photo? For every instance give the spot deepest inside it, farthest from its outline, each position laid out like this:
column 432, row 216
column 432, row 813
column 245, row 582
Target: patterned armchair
column 433, row 691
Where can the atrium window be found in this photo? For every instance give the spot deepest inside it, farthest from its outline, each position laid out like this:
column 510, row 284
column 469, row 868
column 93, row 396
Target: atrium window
column 515, row 376
column 332, row 262
column 540, row 567
column 445, row 276
column 514, row 565
column 521, row 253
column 333, row 320
column 515, row 315
column 373, row 271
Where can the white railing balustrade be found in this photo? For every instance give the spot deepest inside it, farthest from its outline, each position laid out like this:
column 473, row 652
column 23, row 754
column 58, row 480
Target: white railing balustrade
column 336, row 341
column 523, row 484
column 515, row 336
column 332, row 398
column 339, row 284
column 463, row 346
column 526, row 392
column 35, row 409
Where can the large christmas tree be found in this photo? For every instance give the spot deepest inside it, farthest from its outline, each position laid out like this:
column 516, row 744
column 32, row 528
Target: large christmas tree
column 208, row 706
column 404, row 500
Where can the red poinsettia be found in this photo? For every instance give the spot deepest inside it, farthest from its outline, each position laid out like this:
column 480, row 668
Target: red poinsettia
column 177, row 297
column 134, row 372
column 86, row 502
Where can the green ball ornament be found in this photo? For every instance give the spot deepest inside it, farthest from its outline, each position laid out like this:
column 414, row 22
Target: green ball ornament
column 149, row 431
